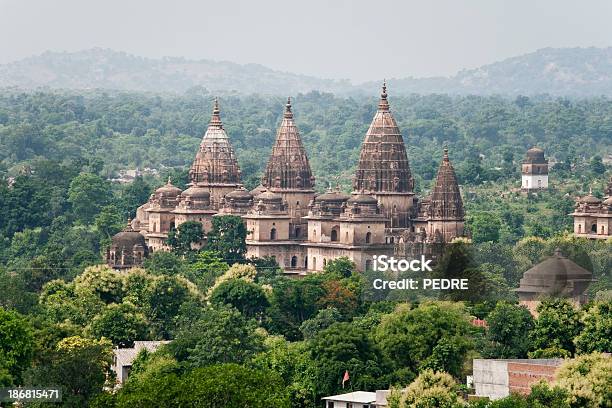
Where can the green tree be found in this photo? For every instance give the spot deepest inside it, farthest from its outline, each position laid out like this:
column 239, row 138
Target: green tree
column 408, row 336
column 185, row 237
column 345, row 347
column 324, row 318
column 16, row 346
column 485, row 227
column 219, row 335
column 342, row 267
column 509, row 329
column 429, row 390
column 596, row 165
column 227, row 237
column 88, row 194
column 109, row 221
column 121, row 323
column 163, row 263
column 588, row 380
column 80, row 366
column 557, row 325
column 247, row 297
column 226, row 385
column 597, row 332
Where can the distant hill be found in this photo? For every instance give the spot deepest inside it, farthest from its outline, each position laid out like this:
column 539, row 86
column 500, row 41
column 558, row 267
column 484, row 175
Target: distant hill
column 556, row 71
column 108, row 69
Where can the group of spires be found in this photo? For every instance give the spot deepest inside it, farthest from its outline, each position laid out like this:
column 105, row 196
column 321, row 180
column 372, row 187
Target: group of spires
column 383, row 162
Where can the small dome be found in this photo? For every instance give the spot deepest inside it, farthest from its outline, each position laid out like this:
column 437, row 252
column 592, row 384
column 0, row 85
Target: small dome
column 128, row 238
column 535, row 151
column 169, row 189
column 363, row 199
column 535, row 155
column 608, row 201
column 268, row 196
column 258, row 190
column 590, row 199
column 240, row 194
column 333, row 196
column 197, row 193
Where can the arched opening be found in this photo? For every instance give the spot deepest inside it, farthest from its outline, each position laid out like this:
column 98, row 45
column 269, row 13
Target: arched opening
column 594, row 228
column 294, row 261
column 334, row 234
column 272, row 234
column 368, row 237
column 305, row 262
column 579, row 228
column 368, row 265
column 314, row 262
column 603, row 230
column 324, row 262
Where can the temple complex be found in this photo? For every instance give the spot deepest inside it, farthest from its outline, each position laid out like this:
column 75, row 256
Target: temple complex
column 302, row 230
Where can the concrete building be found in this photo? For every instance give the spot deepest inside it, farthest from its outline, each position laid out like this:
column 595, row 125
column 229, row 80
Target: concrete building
column 356, row 399
column 534, row 170
column 496, row 379
column 124, row 357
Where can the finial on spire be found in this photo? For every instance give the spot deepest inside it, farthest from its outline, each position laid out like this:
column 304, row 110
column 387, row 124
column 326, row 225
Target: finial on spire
column 383, row 105
column 288, row 113
column 445, row 155
column 169, row 180
column 215, row 120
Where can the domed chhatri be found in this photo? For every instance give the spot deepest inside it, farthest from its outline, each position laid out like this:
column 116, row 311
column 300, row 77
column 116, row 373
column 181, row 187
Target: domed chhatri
column 128, row 249
column 593, row 216
column 168, row 189
column 555, row 276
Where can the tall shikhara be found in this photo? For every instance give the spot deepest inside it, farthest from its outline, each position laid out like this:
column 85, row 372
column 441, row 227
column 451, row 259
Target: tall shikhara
column 288, row 166
column 215, row 165
column 383, row 162
column 446, row 203
column 288, row 174
column 383, row 170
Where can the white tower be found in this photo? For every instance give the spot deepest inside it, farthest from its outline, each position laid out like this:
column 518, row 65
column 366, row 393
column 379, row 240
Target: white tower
column 534, row 170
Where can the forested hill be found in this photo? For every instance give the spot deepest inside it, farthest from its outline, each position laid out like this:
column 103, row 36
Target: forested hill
column 108, row 69
column 577, row 72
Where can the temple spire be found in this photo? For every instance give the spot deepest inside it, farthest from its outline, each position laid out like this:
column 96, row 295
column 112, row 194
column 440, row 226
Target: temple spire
column 288, row 167
column 446, row 202
column 215, row 162
column 288, row 114
column 215, row 120
column 383, row 105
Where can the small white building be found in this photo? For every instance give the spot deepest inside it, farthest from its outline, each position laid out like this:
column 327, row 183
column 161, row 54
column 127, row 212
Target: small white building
column 123, row 358
column 358, row 399
column 534, row 170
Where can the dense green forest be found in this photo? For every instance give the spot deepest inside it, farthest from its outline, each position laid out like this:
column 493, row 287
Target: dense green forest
column 487, row 136
column 244, row 334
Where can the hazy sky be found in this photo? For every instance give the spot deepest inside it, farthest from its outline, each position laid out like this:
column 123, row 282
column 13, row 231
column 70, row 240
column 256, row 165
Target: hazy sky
column 358, row 40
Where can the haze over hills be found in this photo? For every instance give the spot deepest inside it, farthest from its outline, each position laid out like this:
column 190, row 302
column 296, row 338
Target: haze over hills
column 556, row 71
